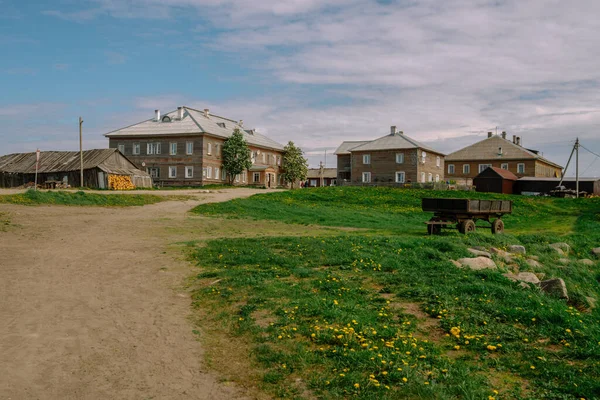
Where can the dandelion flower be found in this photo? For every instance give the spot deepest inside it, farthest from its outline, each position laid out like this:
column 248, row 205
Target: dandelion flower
column 357, row 385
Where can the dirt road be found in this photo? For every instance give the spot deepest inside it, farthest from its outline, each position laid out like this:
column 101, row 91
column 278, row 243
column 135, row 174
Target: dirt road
column 89, row 305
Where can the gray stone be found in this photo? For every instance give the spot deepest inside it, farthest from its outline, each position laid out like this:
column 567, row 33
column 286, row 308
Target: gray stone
column 528, row 277
column 503, row 255
column 478, row 263
column 596, row 252
column 564, row 261
column 480, row 253
column 456, row 263
column 517, row 249
column 533, row 263
column 587, row 261
column 555, row 287
column 561, row 248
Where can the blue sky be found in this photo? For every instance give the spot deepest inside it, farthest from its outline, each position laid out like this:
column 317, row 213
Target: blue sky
column 309, row 71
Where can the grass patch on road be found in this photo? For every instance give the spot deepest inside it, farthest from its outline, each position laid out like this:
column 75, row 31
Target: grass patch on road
column 80, row 198
column 4, row 222
column 391, row 317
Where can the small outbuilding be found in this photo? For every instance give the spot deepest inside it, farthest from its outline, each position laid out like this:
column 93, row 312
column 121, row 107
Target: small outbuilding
column 314, row 176
column 61, row 168
column 540, row 186
column 495, row 180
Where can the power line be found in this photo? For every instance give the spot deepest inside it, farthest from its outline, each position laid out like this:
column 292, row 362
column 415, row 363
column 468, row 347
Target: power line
column 596, row 154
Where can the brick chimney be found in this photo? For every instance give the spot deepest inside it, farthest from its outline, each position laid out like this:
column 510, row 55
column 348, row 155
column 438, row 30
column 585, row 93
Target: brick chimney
column 157, row 115
column 514, row 139
column 489, row 135
column 393, row 129
column 518, row 141
column 206, row 112
column 503, row 134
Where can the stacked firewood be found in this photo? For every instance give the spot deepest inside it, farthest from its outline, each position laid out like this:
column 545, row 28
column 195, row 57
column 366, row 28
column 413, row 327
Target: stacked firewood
column 120, row 182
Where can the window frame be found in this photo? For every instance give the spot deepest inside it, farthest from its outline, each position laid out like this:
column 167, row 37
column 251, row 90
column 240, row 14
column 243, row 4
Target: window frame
column 402, row 174
column 483, row 165
column 437, row 177
column 121, row 146
column 256, row 177
column 209, row 149
column 171, row 145
column 133, row 149
column 502, row 166
column 174, row 169
column 217, row 173
column 209, row 172
column 423, row 177
column 519, row 167
column 438, row 161
column 401, row 157
column 466, row 169
column 189, row 168
column 366, row 174
column 429, row 177
column 189, row 151
column 451, row 169
column 366, row 159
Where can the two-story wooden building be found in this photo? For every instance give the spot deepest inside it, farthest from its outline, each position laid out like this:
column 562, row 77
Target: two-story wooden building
column 183, row 148
column 497, row 151
column 394, row 158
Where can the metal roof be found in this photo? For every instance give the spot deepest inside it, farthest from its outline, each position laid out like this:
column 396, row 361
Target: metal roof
column 544, row 179
column 194, row 122
column 489, row 149
column 59, row 161
column 393, row 141
column 327, row 173
column 345, row 147
column 506, row 174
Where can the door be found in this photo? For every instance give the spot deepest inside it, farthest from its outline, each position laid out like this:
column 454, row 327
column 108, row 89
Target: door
column 101, row 182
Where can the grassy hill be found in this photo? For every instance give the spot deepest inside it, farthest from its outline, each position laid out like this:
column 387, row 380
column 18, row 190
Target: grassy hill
column 382, row 313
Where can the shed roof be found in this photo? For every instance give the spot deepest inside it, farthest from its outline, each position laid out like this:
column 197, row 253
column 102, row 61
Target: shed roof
column 489, row 149
column 505, row 174
column 194, row 122
column 60, row 161
column 393, row 141
column 327, row 173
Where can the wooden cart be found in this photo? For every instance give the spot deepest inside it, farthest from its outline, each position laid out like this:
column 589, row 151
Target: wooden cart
column 464, row 213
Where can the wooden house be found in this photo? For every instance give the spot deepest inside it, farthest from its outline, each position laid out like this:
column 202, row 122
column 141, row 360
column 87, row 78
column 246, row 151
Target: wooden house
column 495, row 180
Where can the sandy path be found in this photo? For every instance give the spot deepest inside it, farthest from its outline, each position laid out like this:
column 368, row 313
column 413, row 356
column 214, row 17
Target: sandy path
column 87, row 305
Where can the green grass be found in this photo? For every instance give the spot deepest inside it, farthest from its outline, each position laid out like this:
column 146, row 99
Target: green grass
column 329, row 310
column 80, row 198
column 4, row 222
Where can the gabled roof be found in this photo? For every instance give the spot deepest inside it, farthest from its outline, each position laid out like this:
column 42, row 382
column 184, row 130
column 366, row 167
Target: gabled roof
column 489, row 149
column 506, row 174
column 57, row 161
column 327, row 173
column 393, row 141
column 345, row 147
column 194, row 122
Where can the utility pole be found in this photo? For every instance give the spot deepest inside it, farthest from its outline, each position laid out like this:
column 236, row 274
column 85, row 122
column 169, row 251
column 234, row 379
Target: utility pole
column 577, row 166
column 80, row 154
column 321, row 172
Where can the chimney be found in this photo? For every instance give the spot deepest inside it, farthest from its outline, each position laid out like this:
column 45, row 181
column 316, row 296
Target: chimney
column 241, row 123
column 518, row 140
column 157, row 115
column 401, row 132
column 393, row 129
column 514, row 139
column 489, row 135
column 503, row 134
column 206, row 112
column 180, row 113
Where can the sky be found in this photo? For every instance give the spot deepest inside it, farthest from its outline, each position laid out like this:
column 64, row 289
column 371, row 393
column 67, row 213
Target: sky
column 310, row 71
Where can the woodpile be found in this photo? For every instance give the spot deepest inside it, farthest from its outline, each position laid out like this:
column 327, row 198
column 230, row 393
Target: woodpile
column 120, row 182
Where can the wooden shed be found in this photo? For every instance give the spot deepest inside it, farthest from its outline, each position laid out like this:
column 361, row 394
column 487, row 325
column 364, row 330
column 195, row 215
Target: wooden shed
column 539, row 186
column 64, row 167
column 495, row 180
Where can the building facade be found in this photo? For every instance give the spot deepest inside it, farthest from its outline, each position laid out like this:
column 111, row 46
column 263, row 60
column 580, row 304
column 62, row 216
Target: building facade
column 496, row 151
column 318, row 177
column 391, row 159
column 184, row 148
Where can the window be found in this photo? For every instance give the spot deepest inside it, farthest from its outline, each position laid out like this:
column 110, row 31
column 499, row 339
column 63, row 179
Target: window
column 423, row 177
column 263, row 158
column 256, row 177
column 237, row 178
column 279, row 160
column 451, row 169
column 223, row 174
column 520, row 168
column 204, row 172
column 154, row 172
column 400, row 177
column 173, row 149
column 430, row 177
column 208, row 148
column 217, row 149
column 122, row 148
column 399, row 158
column 466, row 169
column 136, row 149
column 366, row 159
column 189, row 172
column 438, row 161
column 217, row 173
column 437, row 177
column 221, row 124
column 244, row 176
column 153, row 148
column 366, row 176
column 254, row 155
column 189, row 148
column 423, row 156
column 483, row 167
column 504, row 166
column 209, row 172
column 172, row 172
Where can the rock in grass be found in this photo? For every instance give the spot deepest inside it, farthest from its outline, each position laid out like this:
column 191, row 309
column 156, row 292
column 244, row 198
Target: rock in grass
column 480, row 253
column 528, row 277
column 456, row 263
column 503, row 255
column 561, row 248
column 555, row 287
column 533, row 263
column 478, row 263
column 564, row 261
column 587, row 261
column 596, row 252
column 517, row 249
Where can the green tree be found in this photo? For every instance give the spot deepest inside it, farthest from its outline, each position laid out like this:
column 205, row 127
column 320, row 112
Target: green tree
column 295, row 166
column 236, row 155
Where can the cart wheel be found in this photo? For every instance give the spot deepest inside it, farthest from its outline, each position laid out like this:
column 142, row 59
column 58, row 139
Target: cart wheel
column 467, row 226
column 434, row 229
column 498, row 226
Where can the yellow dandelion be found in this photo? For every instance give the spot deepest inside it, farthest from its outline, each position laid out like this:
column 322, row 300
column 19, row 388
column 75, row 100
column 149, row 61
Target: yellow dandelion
column 357, row 385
